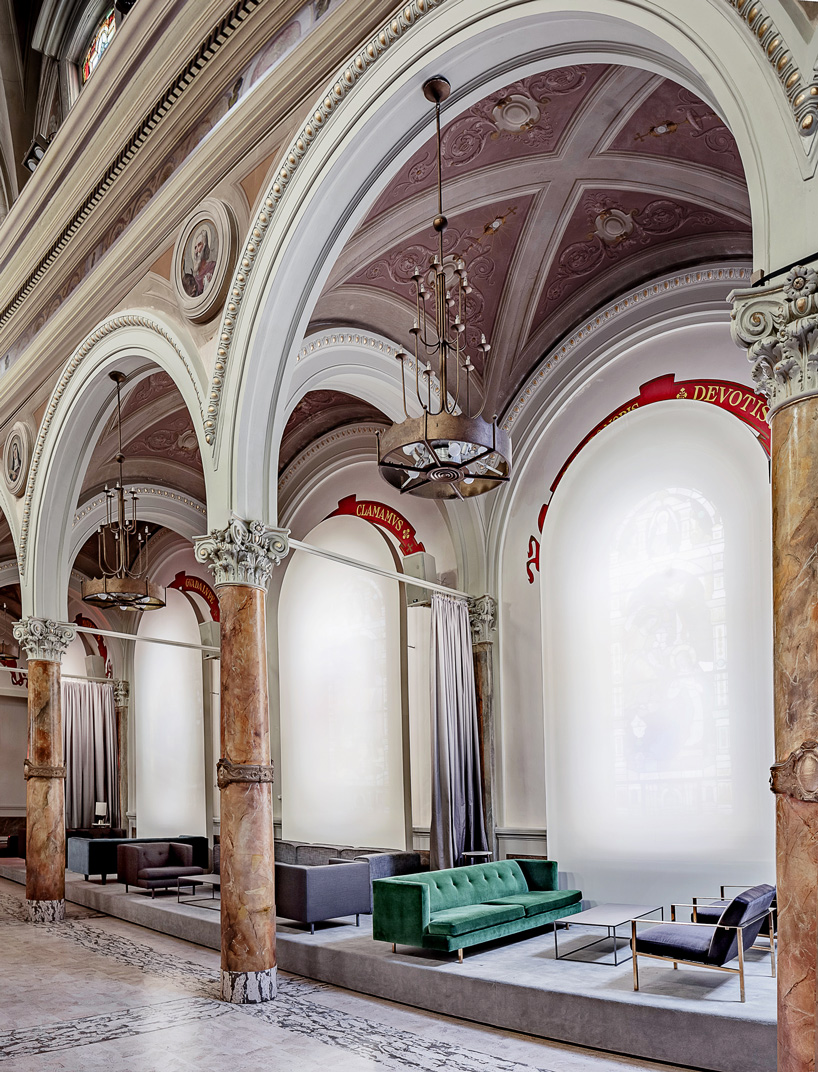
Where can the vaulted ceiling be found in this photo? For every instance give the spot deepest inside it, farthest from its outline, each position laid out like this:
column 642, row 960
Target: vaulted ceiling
column 562, row 190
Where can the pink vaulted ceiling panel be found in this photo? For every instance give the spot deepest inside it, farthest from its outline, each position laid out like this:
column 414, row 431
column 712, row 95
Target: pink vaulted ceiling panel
column 674, row 123
column 610, row 225
column 525, row 118
column 485, row 238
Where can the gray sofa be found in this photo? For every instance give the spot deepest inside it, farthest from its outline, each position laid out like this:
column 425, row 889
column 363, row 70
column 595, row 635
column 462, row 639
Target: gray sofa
column 311, row 893
column 98, row 856
column 155, row 865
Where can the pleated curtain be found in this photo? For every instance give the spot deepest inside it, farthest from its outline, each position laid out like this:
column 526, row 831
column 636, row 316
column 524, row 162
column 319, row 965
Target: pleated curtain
column 89, row 732
column 457, row 787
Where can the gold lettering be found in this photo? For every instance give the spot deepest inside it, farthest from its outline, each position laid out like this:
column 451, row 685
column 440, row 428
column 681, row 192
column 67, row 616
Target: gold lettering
column 696, row 396
column 723, row 394
column 750, row 398
column 711, row 394
column 736, row 395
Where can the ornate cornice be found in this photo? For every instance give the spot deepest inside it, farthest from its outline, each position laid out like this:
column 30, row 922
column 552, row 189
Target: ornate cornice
column 389, row 33
column 115, row 323
column 143, row 491
column 482, row 618
column 621, row 306
column 243, row 553
column 43, row 638
column 779, row 327
column 801, row 93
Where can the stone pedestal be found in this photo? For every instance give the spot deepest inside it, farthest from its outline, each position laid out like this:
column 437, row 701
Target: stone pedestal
column 778, row 327
column 242, row 558
column 45, row 643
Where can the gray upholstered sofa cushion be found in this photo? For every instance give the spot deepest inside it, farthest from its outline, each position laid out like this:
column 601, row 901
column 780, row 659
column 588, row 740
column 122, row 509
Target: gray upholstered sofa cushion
column 309, row 893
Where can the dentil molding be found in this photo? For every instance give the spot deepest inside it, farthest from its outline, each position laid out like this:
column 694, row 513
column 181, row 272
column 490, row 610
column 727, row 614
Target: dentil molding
column 244, row 553
column 779, row 328
column 44, row 638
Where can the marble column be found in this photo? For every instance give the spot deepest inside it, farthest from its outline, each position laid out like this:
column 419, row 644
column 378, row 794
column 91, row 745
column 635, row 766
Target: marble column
column 483, row 620
column 242, row 558
column 778, row 327
column 45, row 643
column 122, row 694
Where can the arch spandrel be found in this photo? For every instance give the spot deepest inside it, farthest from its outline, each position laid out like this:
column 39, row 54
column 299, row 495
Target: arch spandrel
column 134, row 342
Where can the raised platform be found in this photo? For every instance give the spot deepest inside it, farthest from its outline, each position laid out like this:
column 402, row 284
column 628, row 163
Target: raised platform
column 690, row 1017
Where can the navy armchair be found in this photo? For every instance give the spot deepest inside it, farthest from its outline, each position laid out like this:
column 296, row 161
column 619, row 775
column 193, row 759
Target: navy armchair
column 706, row 945
column 709, row 910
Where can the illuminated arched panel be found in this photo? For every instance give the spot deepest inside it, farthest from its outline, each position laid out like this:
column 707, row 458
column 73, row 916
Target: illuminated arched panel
column 658, row 652
column 341, row 711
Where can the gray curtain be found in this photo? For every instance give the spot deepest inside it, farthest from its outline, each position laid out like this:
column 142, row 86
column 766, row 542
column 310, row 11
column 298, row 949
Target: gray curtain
column 457, row 789
column 89, row 732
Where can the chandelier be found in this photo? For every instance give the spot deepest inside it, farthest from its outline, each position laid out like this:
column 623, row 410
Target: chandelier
column 122, row 546
column 451, row 451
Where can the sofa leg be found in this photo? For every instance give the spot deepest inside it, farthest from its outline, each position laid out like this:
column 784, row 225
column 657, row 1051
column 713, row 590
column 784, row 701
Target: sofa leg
column 394, row 947
column 460, row 956
column 126, row 887
column 312, row 928
column 153, row 893
column 104, row 880
column 675, row 966
column 357, row 921
column 86, row 878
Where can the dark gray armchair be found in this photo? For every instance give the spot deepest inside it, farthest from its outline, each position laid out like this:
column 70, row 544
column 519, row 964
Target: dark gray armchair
column 707, row 946
column 155, row 865
column 309, row 894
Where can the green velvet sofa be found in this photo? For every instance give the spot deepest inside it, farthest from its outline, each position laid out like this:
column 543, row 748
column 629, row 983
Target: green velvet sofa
column 465, row 906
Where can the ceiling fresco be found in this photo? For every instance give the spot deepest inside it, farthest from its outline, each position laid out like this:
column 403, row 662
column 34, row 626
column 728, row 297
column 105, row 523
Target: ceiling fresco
column 562, row 190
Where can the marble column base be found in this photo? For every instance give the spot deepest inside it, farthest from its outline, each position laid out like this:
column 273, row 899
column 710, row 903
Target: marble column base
column 45, row 911
column 248, row 988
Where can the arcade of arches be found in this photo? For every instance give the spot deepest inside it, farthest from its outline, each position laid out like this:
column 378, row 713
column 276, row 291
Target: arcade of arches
column 592, row 667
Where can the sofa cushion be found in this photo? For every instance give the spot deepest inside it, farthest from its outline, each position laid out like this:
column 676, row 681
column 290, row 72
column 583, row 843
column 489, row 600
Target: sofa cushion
column 453, row 921
column 473, row 885
column 316, row 855
column 680, row 941
column 539, row 901
column 150, row 873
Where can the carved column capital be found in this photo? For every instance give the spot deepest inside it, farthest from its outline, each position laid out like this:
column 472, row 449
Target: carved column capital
column 797, row 775
column 482, row 618
column 779, row 328
column 43, row 638
column 243, row 553
column 122, row 693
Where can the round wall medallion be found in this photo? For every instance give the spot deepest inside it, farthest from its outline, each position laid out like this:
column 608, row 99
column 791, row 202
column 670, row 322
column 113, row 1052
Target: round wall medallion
column 203, row 260
column 16, row 458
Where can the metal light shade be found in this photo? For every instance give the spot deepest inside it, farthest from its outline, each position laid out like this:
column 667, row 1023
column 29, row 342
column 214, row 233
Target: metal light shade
column 123, row 593
column 444, row 456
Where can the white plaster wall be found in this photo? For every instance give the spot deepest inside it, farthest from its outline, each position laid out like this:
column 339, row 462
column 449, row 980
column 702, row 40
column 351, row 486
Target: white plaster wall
column 697, row 350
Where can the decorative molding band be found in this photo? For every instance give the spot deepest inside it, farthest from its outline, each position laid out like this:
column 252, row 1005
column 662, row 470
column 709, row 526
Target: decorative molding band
column 779, row 327
column 30, row 771
column 801, row 94
column 122, row 693
column 43, row 638
column 797, row 776
column 482, row 618
column 212, row 44
column 390, row 32
column 115, row 323
column 243, row 553
column 229, row 773
column 622, row 305
column 511, row 834
column 349, row 431
column 146, row 491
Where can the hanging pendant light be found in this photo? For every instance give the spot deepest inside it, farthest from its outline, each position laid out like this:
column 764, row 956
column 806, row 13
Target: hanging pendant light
column 122, row 546
column 451, row 451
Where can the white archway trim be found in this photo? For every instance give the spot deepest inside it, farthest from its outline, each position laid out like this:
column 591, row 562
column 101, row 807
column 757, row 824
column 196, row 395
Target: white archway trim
column 329, row 444
column 392, row 31
column 9, row 572
column 607, row 316
column 132, row 341
column 161, row 506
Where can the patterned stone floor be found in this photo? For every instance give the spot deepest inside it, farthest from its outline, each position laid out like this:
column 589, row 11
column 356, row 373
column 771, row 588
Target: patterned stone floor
column 98, row 993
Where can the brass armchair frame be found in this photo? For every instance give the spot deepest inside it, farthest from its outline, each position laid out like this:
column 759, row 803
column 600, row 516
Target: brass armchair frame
column 739, row 971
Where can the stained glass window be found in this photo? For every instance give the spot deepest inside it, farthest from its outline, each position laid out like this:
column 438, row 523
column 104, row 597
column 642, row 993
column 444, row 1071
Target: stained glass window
column 99, row 42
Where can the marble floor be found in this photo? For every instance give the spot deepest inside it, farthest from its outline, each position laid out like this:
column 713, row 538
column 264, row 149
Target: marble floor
column 99, row 993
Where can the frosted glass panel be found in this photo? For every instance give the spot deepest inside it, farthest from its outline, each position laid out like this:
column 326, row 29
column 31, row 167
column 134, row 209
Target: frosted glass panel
column 658, row 639
column 418, row 642
column 341, row 712
column 169, row 723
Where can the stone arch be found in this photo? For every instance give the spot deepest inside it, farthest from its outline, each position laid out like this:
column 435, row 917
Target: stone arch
column 300, row 228
column 83, row 399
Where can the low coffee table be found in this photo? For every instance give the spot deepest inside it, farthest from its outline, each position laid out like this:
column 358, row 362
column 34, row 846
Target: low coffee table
column 214, row 881
column 609, row 916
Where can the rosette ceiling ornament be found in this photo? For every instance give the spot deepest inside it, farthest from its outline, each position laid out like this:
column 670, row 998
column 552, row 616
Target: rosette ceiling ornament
column 122, row 546
column 451, row 451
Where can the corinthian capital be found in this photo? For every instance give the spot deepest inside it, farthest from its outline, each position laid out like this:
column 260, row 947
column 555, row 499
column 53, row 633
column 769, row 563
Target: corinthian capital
column 482, row 618
column 243, row 553
column 122, row 693
column 43, row 638
column 779, row 327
